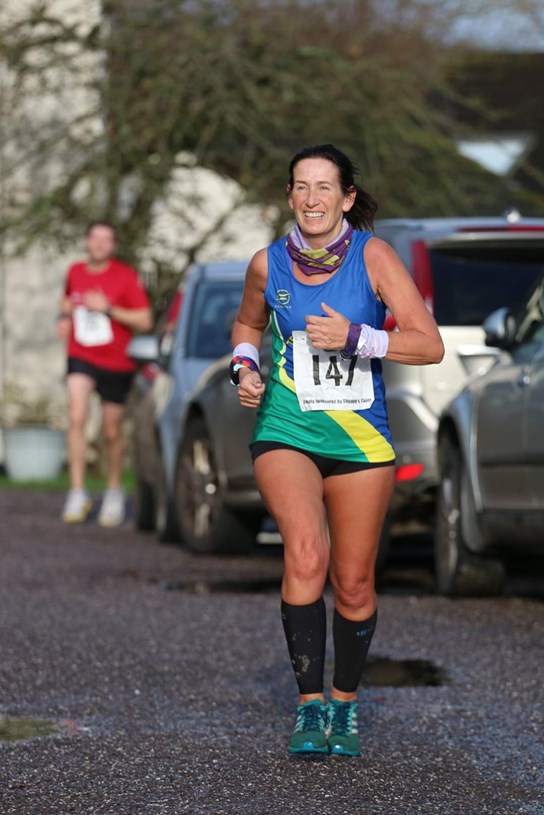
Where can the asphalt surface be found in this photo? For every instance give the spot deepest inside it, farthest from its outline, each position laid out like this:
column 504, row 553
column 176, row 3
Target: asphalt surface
column 169, row 688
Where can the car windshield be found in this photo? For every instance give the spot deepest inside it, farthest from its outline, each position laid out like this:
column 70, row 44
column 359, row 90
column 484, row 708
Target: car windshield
column 214, row 309
column 472, row 281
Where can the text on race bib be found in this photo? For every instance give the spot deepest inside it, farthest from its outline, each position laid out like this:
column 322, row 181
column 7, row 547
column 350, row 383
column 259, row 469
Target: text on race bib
column 326, row 381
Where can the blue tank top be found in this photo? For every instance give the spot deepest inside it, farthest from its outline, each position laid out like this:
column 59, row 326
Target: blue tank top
column 351, row 435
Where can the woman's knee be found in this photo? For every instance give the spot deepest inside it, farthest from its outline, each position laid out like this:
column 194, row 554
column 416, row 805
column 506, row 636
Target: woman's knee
column 306, row 557
column 354, row 593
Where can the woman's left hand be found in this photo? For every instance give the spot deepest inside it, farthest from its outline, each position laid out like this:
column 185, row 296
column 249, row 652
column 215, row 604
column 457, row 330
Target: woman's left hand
column 328, row 333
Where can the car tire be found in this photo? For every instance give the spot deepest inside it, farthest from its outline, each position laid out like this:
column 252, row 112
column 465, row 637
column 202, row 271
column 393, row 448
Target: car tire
column 207, row 525
column 144, row 505
column 166, row 524
column 459, row 572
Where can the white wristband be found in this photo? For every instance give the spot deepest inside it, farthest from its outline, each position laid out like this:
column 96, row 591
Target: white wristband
column 246, row 349
column 372, row 342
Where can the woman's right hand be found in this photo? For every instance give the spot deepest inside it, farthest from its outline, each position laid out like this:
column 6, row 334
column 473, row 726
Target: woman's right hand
column 250, row 389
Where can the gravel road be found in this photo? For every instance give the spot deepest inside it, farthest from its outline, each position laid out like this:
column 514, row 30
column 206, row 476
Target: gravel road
column 168, row 689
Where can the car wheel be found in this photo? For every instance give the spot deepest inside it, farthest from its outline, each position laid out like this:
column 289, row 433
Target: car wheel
column 207, row 525
column 166, row 523
column 460, row 572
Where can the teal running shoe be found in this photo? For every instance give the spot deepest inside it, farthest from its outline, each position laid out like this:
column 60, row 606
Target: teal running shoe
column 309, row 733
column 342, row 733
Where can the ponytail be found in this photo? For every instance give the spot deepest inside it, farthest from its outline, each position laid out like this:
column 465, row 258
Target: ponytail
column 362, row 214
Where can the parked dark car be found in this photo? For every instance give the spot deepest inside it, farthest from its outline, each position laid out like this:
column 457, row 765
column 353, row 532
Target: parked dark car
column 491, row 459
column 170, row 366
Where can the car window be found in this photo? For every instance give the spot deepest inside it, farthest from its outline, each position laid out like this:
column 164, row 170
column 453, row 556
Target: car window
column 472, row 281
column 214, row 309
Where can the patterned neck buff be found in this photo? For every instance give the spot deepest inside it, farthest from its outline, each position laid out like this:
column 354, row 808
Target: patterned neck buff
column 316, row 261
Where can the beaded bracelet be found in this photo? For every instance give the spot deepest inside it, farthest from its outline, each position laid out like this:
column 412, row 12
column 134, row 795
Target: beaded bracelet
column 350, row 347
column 241, row 362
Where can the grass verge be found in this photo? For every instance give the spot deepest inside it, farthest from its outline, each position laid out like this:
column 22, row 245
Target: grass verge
column 94, row 483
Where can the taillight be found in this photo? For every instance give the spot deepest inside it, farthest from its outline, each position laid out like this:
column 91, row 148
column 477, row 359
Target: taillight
column 423, row 273
column 149, row 371
column 408, row 472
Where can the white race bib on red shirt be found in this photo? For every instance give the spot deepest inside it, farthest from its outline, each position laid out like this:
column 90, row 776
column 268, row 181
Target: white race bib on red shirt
column 91, row 327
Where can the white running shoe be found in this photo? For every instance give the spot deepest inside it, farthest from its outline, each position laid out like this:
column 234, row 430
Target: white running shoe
column 76, row 507
column 112, row 511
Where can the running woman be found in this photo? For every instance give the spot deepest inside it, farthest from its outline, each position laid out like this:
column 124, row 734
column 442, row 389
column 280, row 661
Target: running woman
column 322, row 451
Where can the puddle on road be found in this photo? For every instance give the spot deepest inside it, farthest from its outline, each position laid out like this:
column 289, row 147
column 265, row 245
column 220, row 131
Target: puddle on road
column 209, row 585
column 19, row 729
column 382, row 672
column 403, row 673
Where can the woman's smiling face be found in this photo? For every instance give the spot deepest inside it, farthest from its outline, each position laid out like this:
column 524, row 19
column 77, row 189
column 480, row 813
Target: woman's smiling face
column 318, row 200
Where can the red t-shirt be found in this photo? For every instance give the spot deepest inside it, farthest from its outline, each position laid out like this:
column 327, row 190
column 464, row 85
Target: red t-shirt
column 122, row 286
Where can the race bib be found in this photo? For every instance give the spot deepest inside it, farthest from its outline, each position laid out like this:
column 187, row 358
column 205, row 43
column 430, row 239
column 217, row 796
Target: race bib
column 91, row 327
column 325, row 381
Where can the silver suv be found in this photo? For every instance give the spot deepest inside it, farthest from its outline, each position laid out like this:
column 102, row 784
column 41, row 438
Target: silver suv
column 465, row 268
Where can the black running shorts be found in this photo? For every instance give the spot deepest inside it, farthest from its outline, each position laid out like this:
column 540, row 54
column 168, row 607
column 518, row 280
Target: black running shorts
column 111, row 386
column 326, row 466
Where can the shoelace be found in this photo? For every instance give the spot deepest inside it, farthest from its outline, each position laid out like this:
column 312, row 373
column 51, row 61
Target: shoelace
column 311, row 717
column 342, row 716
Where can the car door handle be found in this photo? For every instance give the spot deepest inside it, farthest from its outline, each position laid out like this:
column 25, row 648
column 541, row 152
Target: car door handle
column 524, row 380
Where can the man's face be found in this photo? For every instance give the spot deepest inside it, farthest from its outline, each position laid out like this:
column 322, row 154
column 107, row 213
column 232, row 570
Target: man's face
column 100, row 243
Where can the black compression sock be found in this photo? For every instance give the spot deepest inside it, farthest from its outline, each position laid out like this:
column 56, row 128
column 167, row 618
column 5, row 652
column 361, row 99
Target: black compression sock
column 306, row 631
column 351, row 643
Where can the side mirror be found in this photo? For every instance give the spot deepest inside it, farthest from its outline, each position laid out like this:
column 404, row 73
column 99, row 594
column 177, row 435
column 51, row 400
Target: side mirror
column 144, row 349
column 500, row 329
